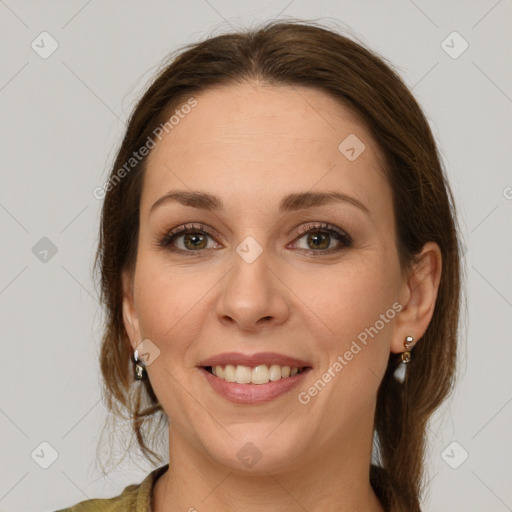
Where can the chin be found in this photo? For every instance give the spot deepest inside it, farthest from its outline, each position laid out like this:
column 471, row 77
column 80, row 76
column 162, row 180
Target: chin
column 259, row 454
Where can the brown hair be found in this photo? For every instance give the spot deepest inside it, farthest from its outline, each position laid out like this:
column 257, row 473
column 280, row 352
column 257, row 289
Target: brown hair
column 304, row 54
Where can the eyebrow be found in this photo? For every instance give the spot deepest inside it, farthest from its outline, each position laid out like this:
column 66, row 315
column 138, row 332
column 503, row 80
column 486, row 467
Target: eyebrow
column 292, row 202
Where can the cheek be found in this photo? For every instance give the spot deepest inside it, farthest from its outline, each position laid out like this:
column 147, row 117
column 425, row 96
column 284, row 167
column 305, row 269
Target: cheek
column 355, row 301
column 165, row 304
column 359, row 312
column 351, row 299
column 168, row 308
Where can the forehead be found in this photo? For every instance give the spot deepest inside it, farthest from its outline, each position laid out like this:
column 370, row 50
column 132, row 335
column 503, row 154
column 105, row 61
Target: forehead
column 246, row 141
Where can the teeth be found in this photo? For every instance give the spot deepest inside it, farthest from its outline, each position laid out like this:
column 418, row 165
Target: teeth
column 275, row 372
column 243, row 374
column 255, row 375
column 229, row 372
column 260, row 375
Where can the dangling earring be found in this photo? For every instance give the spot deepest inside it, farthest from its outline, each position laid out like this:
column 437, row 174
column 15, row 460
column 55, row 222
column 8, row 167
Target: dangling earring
column 405, row 357
column 140, row 369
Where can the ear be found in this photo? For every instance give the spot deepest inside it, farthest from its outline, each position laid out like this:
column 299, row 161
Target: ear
column 418, row 297
column 130, row 318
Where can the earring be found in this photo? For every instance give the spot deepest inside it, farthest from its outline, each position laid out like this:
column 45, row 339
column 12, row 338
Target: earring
column 405, row 357
column 140, row 369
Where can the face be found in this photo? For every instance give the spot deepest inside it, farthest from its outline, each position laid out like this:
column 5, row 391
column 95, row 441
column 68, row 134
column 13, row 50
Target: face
column 269, row 269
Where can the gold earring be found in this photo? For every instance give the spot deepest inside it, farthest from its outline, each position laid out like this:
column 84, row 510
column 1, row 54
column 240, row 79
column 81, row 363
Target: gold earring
column 405, row 357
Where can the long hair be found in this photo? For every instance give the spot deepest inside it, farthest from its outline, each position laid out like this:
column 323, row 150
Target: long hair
column 303, row 54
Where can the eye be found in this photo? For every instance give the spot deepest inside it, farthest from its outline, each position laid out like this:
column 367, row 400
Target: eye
column 194, row 238
column 318, row 238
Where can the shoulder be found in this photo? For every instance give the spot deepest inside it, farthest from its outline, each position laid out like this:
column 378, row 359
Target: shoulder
column 135, row 497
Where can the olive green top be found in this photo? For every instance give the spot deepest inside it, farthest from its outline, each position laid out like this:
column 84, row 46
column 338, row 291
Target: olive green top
column 134, row 498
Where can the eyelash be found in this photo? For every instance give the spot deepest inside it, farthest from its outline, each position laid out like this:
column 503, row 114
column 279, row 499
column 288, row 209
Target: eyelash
column 338, row 234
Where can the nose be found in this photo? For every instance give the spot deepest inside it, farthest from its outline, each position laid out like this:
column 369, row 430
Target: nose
column 253, row 295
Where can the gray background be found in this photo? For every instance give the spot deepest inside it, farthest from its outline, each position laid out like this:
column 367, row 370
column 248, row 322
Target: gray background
column 63, row 116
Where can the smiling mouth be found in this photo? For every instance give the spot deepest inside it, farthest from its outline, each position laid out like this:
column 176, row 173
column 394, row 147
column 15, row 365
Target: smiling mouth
column 261, row 374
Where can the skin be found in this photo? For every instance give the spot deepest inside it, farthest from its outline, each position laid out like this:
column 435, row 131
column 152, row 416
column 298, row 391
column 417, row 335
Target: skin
column 251, row 145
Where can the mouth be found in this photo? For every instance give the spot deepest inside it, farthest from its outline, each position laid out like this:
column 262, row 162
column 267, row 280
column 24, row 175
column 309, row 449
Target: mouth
column 261, row 374
column 253, row 379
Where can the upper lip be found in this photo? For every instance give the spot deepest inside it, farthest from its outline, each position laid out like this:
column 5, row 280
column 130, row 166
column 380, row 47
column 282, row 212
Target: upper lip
column 268, row 358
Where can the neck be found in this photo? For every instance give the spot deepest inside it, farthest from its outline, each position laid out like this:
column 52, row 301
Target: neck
column 331, row 480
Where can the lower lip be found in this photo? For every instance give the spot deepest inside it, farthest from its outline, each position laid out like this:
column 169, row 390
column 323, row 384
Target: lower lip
column 253, row 393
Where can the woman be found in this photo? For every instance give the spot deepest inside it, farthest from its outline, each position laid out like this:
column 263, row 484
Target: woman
column 278, row 243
